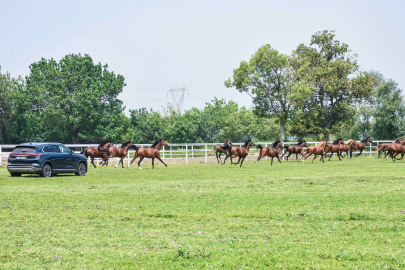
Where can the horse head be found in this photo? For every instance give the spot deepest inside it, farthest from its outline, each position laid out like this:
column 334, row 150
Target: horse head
column 126, row 144
column 228, row 141
column 369, row 140
column 164, row 142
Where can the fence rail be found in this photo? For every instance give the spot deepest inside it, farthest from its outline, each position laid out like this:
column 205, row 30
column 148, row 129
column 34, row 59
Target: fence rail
column 183, row 152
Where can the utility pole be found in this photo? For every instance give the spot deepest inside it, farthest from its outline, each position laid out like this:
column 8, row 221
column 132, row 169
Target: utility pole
column 178, row 97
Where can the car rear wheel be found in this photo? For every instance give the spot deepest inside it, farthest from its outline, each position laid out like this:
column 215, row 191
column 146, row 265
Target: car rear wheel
column 46, row 170
column 81, row 170
column 13, row 174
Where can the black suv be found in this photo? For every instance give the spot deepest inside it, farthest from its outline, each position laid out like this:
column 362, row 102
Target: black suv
column 45, row 159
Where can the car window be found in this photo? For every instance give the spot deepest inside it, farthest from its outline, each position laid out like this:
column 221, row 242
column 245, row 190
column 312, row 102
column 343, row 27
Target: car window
column 64, row 149
column 24, row 150
column 51, row 149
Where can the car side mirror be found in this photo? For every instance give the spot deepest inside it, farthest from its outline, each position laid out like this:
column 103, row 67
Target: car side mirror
column 72, row 152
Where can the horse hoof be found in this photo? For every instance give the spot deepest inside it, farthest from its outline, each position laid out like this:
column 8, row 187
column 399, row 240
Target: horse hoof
column 140, row 168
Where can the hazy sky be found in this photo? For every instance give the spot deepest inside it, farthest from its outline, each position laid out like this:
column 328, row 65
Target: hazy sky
column 157, row 45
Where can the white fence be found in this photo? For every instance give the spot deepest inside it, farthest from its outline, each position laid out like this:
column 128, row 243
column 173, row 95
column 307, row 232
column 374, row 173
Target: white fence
column 181, row 152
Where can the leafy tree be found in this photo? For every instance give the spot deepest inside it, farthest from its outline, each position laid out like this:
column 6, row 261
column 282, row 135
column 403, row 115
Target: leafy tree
column 8, row 86
column 389, row 112
column 330, row 86
column 268, row 78
column 73, row 100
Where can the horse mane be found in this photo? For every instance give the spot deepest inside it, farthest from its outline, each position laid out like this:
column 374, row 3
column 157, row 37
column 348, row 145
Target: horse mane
column 104, row 143
column 336, row 141
column 247, row 142
column 259, row 146
column 136, row 148
column 299, row 142
column 125, row 143
column 365, row 140
column 322, row 143
column 275, row 144
column 156, row 142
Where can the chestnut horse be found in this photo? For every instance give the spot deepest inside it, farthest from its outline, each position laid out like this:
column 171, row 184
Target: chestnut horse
column 347, row 147
column 361, row 146
column 333, row 148
column 400, row 150
column 97, row 152
column 272, row 152
column 221, row 149
column 119, row 152
column 152, row 152
column 294, row 149
column 394, row 148
column 381, row 146
column 315, row 150
column 240, row 152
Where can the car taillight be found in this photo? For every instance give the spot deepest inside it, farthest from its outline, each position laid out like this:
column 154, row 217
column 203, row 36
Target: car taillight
column 34, row 155
column 11, row 155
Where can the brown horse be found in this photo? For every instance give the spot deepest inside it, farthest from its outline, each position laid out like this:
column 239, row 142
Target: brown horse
column 272, row 152
column 361, row 146
column 101, row 151
column 240, row 152
column 221, row 149
column 294, row 149
column 119, row 152
column 381, row 146
column 394, row 149
column 152, row 152
column 315, row 150
column 347, row 147
column 333, row 148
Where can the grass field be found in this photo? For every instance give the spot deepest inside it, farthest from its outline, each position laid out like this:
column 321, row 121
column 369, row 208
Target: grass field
column 348, row 214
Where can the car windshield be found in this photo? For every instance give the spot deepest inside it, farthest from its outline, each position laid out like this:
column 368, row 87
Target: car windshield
column 24, row 150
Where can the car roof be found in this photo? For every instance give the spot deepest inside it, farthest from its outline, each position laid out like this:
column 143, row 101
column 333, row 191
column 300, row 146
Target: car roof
column 38, row 143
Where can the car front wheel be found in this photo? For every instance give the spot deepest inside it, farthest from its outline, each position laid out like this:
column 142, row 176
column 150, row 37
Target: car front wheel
column 81, row 170
column 46, row 170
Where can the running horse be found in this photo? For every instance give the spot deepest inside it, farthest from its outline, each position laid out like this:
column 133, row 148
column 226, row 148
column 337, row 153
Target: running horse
column 314, row 150
column 152, row 152
column 394, row 149
column 101, row 151
column 240, row 152
column 333, row 148
column 294, row 149
column 381, row 146
column 347, row 147
column 272, row 152
column 120, row 152
column 361, row 146
column 221, row 149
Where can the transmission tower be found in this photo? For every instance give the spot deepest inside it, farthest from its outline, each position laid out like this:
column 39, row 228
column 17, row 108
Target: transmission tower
column 178, row 97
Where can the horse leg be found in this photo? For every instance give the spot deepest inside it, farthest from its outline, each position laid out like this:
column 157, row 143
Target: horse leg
column 121, row 160
column 237, row 162
column 258, row 159
column 216, row 154
column 161, row 160
column 360, row 153
column 92, row 162
column 289, row 154
column 314, row 158
column 153, row 163
column 139, row 162
column 279, row 159
column 241, row 162
column 226, row 159
column 271, row 161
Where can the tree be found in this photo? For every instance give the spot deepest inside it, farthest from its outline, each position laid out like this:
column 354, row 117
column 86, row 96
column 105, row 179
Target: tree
column 389, row 112
column 73, row 100
column 330, row 86
column 8, row 86
column 268, row 78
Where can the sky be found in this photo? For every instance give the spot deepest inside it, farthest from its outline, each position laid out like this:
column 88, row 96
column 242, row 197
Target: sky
column 159, row 45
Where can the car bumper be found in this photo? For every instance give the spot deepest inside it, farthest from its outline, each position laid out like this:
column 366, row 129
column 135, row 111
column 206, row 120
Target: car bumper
column 23, row 169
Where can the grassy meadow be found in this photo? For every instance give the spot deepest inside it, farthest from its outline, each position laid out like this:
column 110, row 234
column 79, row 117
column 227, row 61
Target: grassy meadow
column 348, row 214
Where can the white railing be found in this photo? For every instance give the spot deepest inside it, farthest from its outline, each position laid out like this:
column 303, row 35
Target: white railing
column 182, row 152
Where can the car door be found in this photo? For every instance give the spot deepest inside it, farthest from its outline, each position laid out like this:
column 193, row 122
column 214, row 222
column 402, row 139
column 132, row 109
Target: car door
column 54, row 156
column 68, row 162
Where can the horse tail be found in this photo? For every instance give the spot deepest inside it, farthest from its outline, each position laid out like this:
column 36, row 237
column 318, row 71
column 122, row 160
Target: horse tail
column 84, row 151
column 286, row 146
column 212, row 150
column 259, row 146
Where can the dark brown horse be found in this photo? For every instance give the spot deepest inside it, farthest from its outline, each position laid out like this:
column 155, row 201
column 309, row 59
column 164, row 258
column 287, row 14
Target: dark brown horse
column 221, row 149
column 347, row 147
column 101, row 151
column 294, row 149
column 152, row 152
column 381, row 146
column 272, row 152
column 333, row 148
column 361, row 146
column 315, row 150
column 120, row 152
column 394, row 149
column 400, row 150
column 240, row 152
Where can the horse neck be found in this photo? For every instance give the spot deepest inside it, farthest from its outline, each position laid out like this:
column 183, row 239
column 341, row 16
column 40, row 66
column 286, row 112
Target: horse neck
column 247, row 147
column 158, row 146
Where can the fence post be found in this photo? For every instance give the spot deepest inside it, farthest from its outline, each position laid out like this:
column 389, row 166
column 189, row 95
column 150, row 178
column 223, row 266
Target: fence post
column 163, row 153
column 171, row 152
column 192, row 151
column 206, row 153
column 186, row 155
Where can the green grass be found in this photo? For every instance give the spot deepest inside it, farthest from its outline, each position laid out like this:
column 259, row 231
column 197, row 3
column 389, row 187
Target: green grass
column 348, row 214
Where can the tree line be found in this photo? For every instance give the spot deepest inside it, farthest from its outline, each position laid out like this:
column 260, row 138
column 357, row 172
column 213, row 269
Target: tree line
column 316, row 92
